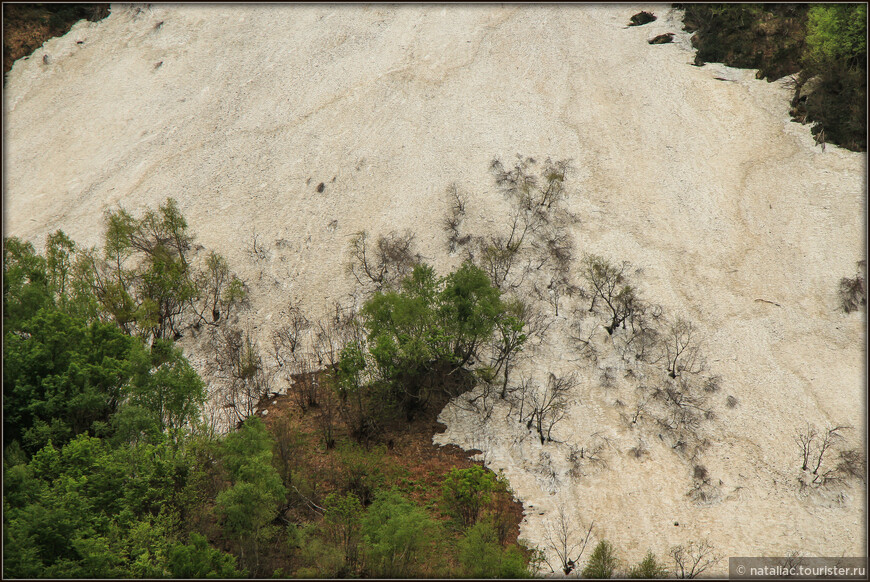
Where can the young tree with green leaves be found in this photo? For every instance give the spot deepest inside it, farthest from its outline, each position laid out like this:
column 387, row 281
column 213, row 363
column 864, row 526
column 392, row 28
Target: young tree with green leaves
column 397, row 536
column 481, row 555
column 602, row 562
column 466, row 492
column 648, row 568
column 342, row 524
column 251, row 503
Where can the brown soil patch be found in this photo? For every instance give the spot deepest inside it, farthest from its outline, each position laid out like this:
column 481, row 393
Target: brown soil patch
column 27, row 26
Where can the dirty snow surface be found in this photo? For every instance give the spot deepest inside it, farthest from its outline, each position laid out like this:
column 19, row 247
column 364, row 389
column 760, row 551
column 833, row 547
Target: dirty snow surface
column 728, row 214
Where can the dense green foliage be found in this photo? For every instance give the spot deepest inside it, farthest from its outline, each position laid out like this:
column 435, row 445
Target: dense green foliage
column 97, row 467
column 836, row 36
column 482, row 556
column 836, row 53
column 398, row 535
column 467, row 491
column 822, row 41
column 110, row 473
column 419, row 341
column 66, row 373
column 90, row 509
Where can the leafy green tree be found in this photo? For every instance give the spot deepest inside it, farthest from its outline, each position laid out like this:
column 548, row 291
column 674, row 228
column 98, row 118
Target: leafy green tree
column 25, row 282
column 62, row 376
column 146, row 281
column 602, row 563
column 471, row 306
column 342, row 523
column 467, row 491
column 648, row 568
column 481, row 556
column 397, row 535
column 836, row 33
column 171, row 389
column 90, row 510
column 420, row 334
column 197, row 559
column 251, row 503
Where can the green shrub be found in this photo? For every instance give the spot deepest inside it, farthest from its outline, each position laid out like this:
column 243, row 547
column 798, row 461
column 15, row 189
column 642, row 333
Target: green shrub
column 397, row 535
column 602, row 563
column 341, row 521
column 649, row 567
column 467, row 491
column 481, row 555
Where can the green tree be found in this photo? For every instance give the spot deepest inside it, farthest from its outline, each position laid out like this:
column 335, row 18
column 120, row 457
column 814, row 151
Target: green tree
column 90, row 510
column 836, row 34
column 251, row 503
column 481, row 556
column 171, row 389
column 648, row 568
column 602, row 563
column 62, row 376
column 467, row 491
column 146, row 281
column 471, row 306
column 197, row 559
column 25, row 282
column 397, row 535
column 342, row 523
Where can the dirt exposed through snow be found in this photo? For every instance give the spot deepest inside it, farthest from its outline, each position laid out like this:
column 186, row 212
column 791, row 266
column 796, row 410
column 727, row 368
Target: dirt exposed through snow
column 241, row 112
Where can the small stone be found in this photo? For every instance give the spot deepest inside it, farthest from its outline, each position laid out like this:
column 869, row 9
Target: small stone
column 321, row 187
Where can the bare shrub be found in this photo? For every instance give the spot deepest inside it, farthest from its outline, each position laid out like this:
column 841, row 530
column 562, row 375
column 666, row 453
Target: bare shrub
column 305, row 388
column 236, row 360
column 256, row 250
column 542, row 409
column 289, row 336
column 559, row 533
column 692, row 559
column 640, row 408
column 533, row 191
column 558, row 286
column 703, row 492
column 731, row 401
column 608, row 377
column 712, row 383
column 852, row 463
column 643, row 343
column 639, row 450
column 333, row 333
column 682, row 348
column 591, row 455
column 608, row 283
column 500, row 255
column 679, row 408
column 853, row 291
column 453, row 220
column 391, row 259
column 813, row 445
